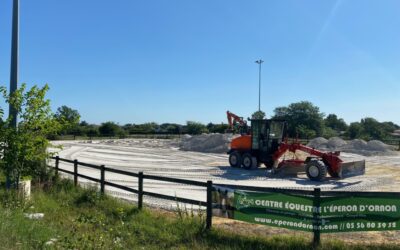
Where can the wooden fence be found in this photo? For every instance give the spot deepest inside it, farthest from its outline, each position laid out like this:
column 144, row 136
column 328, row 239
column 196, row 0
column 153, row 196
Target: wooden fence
column 139, row 191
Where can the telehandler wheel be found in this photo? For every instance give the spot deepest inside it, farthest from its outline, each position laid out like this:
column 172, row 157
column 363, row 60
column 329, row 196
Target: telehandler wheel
column 316, row 170
column 235, row 159
column 247, row 161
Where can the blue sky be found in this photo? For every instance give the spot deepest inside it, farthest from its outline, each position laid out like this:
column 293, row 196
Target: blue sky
column 171, row 61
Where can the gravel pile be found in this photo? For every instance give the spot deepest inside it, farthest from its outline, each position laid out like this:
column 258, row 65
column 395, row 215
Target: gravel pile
column 206, row 143
column 318, row 143
column 219, row 143
column 356, row 146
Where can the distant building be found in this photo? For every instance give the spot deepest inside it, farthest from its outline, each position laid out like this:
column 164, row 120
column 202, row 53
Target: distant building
column 396, row 133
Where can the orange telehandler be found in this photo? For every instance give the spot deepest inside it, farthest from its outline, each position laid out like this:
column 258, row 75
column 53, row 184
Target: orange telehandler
column 266, row 142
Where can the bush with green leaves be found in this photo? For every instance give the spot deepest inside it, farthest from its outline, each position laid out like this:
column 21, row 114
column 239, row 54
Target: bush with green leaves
column 24, row 149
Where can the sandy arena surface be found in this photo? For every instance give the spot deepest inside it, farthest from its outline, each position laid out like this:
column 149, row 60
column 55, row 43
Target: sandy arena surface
column 163, row 158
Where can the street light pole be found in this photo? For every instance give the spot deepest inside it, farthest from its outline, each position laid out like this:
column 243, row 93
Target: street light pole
column 14, row 61
column 259, row 62
column 12, row 112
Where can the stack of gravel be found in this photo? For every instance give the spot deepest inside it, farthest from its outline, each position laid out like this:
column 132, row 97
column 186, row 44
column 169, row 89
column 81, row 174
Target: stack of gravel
column 219, row 143
column 355, row 146
column 206, row 143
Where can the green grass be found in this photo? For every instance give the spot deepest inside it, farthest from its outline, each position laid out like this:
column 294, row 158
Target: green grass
column 83, row 219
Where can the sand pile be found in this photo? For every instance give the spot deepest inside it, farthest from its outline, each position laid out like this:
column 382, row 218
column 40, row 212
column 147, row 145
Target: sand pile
column 355, row 146
column 206, row 143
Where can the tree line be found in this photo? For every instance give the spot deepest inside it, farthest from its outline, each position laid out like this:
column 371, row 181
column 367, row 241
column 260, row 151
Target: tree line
column 305, row 120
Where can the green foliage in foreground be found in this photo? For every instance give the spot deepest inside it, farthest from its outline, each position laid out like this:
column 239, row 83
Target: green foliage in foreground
column 83, row 219
column 24, row 150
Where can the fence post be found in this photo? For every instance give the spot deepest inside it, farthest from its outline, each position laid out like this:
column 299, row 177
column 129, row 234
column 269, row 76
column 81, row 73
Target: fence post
column 209, row 205
column 57, row 164
column 316, row 217
column 140, row 190
column 76, row 173
column 102, row 178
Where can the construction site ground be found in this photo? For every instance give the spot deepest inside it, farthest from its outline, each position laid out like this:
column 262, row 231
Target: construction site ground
column 163, row 158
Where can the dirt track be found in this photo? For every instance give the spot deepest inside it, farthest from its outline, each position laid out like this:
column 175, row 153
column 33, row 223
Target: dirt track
column 162, row 158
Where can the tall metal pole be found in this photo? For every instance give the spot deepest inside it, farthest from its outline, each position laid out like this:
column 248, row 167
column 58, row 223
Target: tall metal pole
column 14, row 60
column 259, row 62
column 12, row 112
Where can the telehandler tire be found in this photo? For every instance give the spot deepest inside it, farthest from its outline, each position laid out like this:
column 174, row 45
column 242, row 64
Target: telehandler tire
column 235, row 159
column 248, row 161
column 316, row 170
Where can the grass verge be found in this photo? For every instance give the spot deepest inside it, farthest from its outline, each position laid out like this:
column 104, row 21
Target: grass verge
column 76, row 218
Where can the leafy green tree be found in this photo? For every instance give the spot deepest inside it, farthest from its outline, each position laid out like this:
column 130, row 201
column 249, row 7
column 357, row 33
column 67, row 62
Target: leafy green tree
column 146, row 128
column 110, row 129
column 302, row 117
column 195, row 128
column 329, row 132
column 24, row 150
column 389, row 127
column 217, row 128
column 259, row 114
column 333, row 122
column 83, row 124
column 170, row 128
column 355, row 130
column 92, row 130
column 304, row 132
column 77, row 130
column 372, row 129
column 68, row 118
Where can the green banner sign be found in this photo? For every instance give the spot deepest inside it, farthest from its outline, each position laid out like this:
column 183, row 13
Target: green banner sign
column 334, row 214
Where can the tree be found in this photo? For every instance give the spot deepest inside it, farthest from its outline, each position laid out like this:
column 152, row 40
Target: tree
column 217, row 128
column 258, row 115
column 302, row 117
column 110, row 129
column 304, row 132
column 24, row 150
column 355, row 130
column 372, row 129
column 170, row 128
column 146, row 128
column 389, row 127
column 92, row 130
column 329, row 132
column 195, row 128
column 83, row 124
column 68, row 118
column 334, row 123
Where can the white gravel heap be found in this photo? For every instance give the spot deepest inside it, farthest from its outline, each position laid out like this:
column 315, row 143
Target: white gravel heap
column 356, row 146
column 206, row 143
column 318, row 143
column 219, row 143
